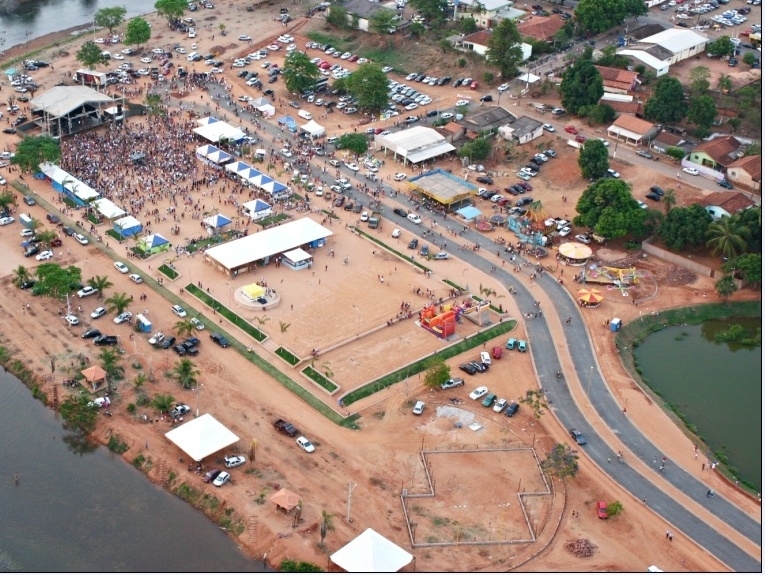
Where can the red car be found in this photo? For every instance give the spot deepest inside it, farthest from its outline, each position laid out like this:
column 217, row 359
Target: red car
column 602, row 514
column 581, row 139
column 474, row 86
column 571, row 130
column 526, row 186
column 496, row 352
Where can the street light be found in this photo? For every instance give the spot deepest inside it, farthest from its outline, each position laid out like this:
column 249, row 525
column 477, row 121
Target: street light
column 198, row 386
column 358, row 325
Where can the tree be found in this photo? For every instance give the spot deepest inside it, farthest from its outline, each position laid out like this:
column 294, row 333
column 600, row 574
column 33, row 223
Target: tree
column 6, row 199
column 593, row 159
column 608, row 208
column 101, row 283
column 154, row 105
column 110, row 17
column 749, row 59
column 614, row 508
column 432, row 10
column 111, row 361
column 171, row 9
column 46, row 237
column 747, row 266
column 163, row 402
column 476, row 150
column 300, row 74
column 327, row 524
column 581, row 86
column 488, row 77
column 597, row 16
column 535, row 399
column 601, row 113
column 90, row 55
column 561, row 462
column 77, row 414
column 55, row 281
column 185, row 328
column 675, row 152
column 669, row 200
column 337, row 16
column 467, row 26
column 138, row 32
column 436, row 373
column 35, row 150
column 505, row 48
column 667, row 104
column 724, row 83
column 20, row 275
column 685, row 227
column 185, row 373
column 752, row 220
column 727, row 237
column 699, row 77
column 382, row 21
column 720, row 47
column 635, row 8
column 702, row 112
column 369, row 85
column 725, row 287
column 356, row 143
column 119, row 302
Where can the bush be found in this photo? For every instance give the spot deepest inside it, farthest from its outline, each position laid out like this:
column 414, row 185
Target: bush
column 676, row 153
column 293, row 566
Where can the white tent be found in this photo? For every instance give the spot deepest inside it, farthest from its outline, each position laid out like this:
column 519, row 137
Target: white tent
column 370, row 552
column 108, row 209
column 314, row 129
column 208, row 120
column 267, row 110
column 201, row 437
column 218, row 131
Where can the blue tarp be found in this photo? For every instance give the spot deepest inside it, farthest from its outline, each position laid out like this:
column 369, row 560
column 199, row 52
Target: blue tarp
column 469, row 212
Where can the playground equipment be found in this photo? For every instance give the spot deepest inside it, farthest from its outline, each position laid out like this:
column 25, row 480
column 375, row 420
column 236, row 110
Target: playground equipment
column 442, row 323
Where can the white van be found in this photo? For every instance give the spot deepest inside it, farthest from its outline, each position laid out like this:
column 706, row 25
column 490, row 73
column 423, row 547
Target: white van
column 191, row 56
column 305, row 115
column 485, row 358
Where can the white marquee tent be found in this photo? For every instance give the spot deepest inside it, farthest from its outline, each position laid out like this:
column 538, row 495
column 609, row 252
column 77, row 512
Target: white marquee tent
column 201, row 437
column 218, row 131
column 108, row 209
column 370, row 552
column 314, row 129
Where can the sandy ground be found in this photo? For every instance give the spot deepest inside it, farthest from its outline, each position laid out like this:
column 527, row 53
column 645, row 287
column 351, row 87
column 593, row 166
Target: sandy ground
column 381, row 458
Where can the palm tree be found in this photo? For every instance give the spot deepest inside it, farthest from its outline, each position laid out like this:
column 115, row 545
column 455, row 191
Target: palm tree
column 185, row 373
column 263, row 320
column 110, row 362
column 724, row 83
column 100, row 283
column 162, row 402
column 327, row 524
column 118, row 302
column 669, row 200
column 33, row 224
column 139, row 380
column 20, row 275
column 11, row 100
column 537, row 215
column 727, row 238
column 46, row 237
column 6, row 199
column 284, row 326
column 185, row 328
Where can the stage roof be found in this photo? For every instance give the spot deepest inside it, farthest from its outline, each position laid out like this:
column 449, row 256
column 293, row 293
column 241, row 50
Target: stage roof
column 60, row 100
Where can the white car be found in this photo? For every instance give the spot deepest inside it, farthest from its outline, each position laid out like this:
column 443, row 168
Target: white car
column 495, row 198
column 441, row 256
column 197, row 324
column 221, row 479
column 419, row 407
column 118, row 56
column 158, row 50
column 500, row 405
column 305, row 444
column 613, row 173
column 548, row 127
column 179, row 311
column 192, row 34
column 245, row 38
column 274, row 47
column 447, row 116
column 414, row 218
column 387, row 69
column 180, row 50
column 563, row 232
column 584, row 239
column 346, row 55
column 234, row 460
column 399, row 177
column 71, row 319
column 122, row 268
column 478, row 392
column 146, row 60
column 461, row 103
column 691, row 171
column 364, row 216
column 123, row 317
column 157, row 338
column 412, row 106
column 524, row 176
column 86, row 291
column 46, row 255
column 362, row 61
column 286, row 153
column 4, row 221
column 396, row 233
column 98, row 312
column 503, row 87
column 25, row 233
column 352, row 166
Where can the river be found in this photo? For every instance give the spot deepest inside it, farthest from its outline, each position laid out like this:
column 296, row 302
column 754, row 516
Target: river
column 36, row 18
column 717, row 386
column 89, row 511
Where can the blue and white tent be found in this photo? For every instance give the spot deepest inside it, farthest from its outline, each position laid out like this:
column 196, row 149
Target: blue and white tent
column 217, row 221
column 208, row 120
column 154, row 243
column 236, row 167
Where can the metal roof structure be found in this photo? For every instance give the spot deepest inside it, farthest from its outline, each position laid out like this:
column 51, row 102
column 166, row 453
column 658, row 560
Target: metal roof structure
column 443, row 187
column 61, row 100
column 201, row 437
column 676, row 40
column 415, row 144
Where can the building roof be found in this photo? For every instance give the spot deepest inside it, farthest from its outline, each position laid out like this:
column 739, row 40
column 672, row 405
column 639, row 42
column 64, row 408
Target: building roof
column 201, row 437
column 658, row 52
column 752, row 165
column 541, row 27
column 273, row 241
column 481, row 38
column 488, row 5
column 60, row 100
column 632, row 124
column 676, row 40
column 731, row 202
column 643, row 56
column 452, row 128
column 370, row 552
column 416, row 144
column 645, row 31
column 524, row 125
column 486, row 118
column 443, row 187
column 634, row 107
column 617, row 78
column 668, row 139
column 363, row 8
column 721, row 150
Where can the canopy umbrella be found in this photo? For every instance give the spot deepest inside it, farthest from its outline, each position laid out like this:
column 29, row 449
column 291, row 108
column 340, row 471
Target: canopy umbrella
column 589, row 296
column 11, row 71
column 497, row 219
column 253, row 291
column 575, row 251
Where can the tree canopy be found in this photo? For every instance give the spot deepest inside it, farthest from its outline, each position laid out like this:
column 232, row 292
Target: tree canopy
column 702, row 112
column 581, row 86
column 110, row 17
column 699, row 77
column 467, row 25
column 55, row 281
column 685, row 227
column 720, row 47
column 337, row 17
column 727, row 237
column 356, row 143
column 752, row 220
column 369, row 85
column 300, row 74
column 593, row 159
column 562, row 462
column 635, row 8
column 478, row 149
column 35, row 150
column 382, row 21
column 436, row 373
column 599, row 15
column 171, row 9
column 90, row 55
column 505, row 48
column 138, row 32
column 77, row 414
column 432, row 10
column 608, row 208
column 667, row 104
column 748, row 266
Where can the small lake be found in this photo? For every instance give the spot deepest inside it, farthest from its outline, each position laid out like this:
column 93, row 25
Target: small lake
column 718, row 386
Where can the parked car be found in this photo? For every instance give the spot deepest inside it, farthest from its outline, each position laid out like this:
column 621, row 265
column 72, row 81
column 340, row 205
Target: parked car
column 220, row 340
column 232, row 461
column 691, row 171
column 211, row 475
column 478, row 392
column 168, row 343
column 496, row 352
column 197, row 324
column 489, row 400
column 500, row 405
column 98, row 312
column 157, row 338
column 419, row 407
column 453, row 382
column 179, row 410
column 135, row 278
column 86, row 291
column 602, row 512
column 511, row 343
column 221, row 479
column 413, row 244
column 306, row 445
column 91, row 333
column 106, row 340
column 521, row 345
column 179, row 311
column 125, row 316
column 577, row 436
column 122, row 268
column 468, row 368
column 512, row 409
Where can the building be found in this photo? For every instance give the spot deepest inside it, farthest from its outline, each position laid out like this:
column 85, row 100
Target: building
column 478, row 42
column 632, row 130
column 486, row 119
column 360, row 12
column 488, row 13
column 541, row 27
column 444, row 188
column 65, row 110
column 414, row 145
column 716, row 154
column 522, row 130
column 747, row 172
column 668, row 47
column 624, row 105
column 666, row 140
column 725, row 204
column 618, row 81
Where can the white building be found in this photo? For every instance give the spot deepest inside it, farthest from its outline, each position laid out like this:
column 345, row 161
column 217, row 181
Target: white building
column 415, row 145
column 669, row 47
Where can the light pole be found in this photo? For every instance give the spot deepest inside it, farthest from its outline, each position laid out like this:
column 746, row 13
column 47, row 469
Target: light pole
column 589, row 383
column 198, row 386
column 358, row 324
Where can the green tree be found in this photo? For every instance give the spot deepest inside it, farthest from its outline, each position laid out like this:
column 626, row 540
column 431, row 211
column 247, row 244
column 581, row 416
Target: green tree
column 55, row 281
column 601, row 113
column 725, row 83
column 77, row 415
column 35, row 150
column 356, row 143
column 138, row 32
column 669, row 200
column 754, row 149
column 565, row 33
column 110, row 17
column 477, row 150
column 581, row 86
column 111, row 362
column 185, row 327
column 327, row 524
column 727, row 237
column 185, row 373
column 369, row 85
column 702, row 112
column 699, row 77
column 609, row 57
column 382, row 21
column 416, row 29
column 295, row 566
column 300, row 74
column 747, row 266
column 436, row 373
column 467, row 26
column 432, row 10
column 20, row 275
column 337, row 16
column 725, row 287
column 720, row 47
column 162, row 402
column 46, row 237
column 535, row 399
column 685, row 227
column 505, row 48
column 154, row 105
column 749, row 58
column 101, row 283
column 635, row 8
column 593, row 159
column 675, row 152
column 614, row 508
column 6, row 199
column 667, row 104
column 119, row 302
column 90, row 55
column 599, row 15
column 751, row 219
column 562, row 462
column 171, row 9
column 608, row 208
column 488, row 77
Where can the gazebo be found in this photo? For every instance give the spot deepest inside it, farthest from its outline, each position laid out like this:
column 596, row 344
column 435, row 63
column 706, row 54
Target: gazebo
column 589, row 297
column 370, row 552
column 285, row 500
column 216, row 221
column 154, row 243
column 574, row 253
column 95, row 376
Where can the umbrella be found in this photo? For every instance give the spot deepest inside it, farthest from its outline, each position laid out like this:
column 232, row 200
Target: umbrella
column 575, row 251
column 589, row 296
column 498, row 219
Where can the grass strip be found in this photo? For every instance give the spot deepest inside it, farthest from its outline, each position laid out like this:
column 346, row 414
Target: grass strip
column 406, row 258
column 168, row 271
column 320, row 379
column 227, row 313
column 454, row 285
column 287, row 356
column 422, row 364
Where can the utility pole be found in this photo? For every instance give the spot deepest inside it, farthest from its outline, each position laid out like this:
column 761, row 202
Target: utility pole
column 351, row 487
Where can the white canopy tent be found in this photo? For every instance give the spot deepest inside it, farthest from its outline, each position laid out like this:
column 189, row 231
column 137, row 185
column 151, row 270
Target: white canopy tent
column 218, row 131
column 370, row 552
column 108, row 209
column 314, row 129
column 267, row 110
column 201, row 437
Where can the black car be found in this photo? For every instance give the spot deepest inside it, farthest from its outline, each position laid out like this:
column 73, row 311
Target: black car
column 180, row 350
column 9, row 131
column 457, row 82
column 27, row 284
column 653, row 196
column 242, row 74
column 168, row 342
column 486, row 194
column 32, row 251
column 413, row 244
column 487, row 98
column 485, row 180
column 524, row 201
column 577, row 436
column 106, row 340
column 29, row 201
column 725, row 184
column 92, row 332
column 431, row 113
column 54, row 219
column 399, row 212
column 468, row 368
column 657, row 190
column 512, row 409
column 68, row 231
column 479, row 366
column 219, row 339
column 515, row 189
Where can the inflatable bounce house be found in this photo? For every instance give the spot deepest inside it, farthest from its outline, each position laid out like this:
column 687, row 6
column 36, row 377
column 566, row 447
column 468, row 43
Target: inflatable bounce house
column 441, row 324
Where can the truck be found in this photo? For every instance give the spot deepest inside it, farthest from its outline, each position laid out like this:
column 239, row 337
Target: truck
column 90, row 77
column 285, row 427
column 373, row 222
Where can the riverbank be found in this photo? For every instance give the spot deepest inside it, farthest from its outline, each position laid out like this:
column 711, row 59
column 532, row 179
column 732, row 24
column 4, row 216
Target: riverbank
column 26, row 50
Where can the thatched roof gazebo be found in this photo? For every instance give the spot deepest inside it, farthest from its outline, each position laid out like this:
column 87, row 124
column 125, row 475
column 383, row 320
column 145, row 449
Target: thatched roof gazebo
column 285, row 500
column 589, row 297
column 95, row 376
